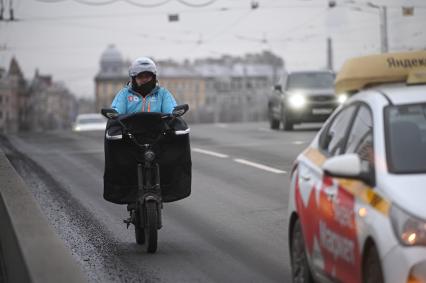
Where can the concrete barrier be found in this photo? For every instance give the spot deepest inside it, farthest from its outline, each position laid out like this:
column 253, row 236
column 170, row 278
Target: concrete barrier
column 29, row 250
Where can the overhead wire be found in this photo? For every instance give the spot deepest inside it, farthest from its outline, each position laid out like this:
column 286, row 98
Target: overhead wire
column 312, row 18
column 196, row 5
column 91, row 3
column 233, row 24
column 51, row 1
column 162, row 38
column 199, row 43
column 134, row 3
column 138, row 14
column 161, row 3
column 200, row 40
column 223, row 30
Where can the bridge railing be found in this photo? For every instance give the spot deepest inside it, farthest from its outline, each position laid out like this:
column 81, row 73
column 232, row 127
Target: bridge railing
column 29, row 250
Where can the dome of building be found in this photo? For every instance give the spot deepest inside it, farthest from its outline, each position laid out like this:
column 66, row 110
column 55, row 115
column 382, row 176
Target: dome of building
column 111, row 60
column 111, row 54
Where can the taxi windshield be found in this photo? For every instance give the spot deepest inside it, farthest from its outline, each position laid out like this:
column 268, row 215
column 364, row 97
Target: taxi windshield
column 406, row 138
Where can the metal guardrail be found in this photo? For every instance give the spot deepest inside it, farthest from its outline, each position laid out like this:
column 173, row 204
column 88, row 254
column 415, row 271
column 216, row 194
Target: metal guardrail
column 29, row 250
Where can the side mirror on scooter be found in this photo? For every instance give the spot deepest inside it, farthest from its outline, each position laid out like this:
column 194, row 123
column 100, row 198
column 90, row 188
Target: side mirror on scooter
column 109, row 113
column 180, row 110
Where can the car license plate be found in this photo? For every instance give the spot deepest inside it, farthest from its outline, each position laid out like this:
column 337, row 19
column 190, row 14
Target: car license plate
column 320, row 111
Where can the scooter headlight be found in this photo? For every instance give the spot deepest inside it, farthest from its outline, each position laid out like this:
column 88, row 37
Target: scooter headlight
column 149, row 155
column 410, row 230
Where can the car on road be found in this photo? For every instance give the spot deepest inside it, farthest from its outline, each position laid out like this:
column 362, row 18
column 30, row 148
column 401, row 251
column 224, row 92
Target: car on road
column 89, row 122
column 357, row 208
column 305, row 96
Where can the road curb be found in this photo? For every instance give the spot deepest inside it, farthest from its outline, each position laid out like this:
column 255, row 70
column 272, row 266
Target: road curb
column 30, row 251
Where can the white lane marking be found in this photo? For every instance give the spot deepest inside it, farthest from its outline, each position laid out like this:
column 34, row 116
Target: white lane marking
column 221, row 125
column 260, row 166
column 212, row 153
column 298, row 142
column 264, row 129
column 54, row 151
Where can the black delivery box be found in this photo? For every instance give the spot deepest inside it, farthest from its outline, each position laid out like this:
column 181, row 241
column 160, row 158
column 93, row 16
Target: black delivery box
column 172, row 152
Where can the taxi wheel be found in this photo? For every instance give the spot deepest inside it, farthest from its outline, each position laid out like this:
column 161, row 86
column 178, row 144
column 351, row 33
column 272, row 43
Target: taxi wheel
column 300, row 271
column 372, row 270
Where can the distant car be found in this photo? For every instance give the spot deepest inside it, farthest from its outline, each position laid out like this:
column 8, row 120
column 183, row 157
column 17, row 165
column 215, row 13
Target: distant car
column 306, row 96
column 90, row 122
column 357, row 196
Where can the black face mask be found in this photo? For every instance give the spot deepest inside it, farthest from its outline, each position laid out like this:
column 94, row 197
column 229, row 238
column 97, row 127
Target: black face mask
column 145, row 88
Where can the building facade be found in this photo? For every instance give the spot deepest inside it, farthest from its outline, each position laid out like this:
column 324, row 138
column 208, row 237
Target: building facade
column 12, row 98
column 36, row 105
column 187, row 85
column 52, row 105
column 112, row 76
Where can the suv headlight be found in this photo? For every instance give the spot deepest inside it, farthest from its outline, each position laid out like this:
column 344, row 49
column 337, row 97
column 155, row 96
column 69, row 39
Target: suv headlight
column 410, row 230
column 297, row 101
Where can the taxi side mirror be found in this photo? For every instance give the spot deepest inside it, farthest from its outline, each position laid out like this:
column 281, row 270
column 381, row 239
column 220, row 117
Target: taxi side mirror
column 349, row 166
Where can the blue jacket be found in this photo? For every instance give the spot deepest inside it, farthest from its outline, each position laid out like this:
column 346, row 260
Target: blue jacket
column 128, row 101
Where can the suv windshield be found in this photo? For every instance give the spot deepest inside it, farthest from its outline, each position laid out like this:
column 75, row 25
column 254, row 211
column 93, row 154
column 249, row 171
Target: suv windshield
column 310, row 80
column 406, row 138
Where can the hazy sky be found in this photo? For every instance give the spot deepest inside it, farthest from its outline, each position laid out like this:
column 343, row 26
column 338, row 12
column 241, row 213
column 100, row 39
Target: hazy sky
column 66, row 38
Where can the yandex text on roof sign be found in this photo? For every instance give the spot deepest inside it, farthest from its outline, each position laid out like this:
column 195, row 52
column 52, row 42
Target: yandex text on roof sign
column 406, row 63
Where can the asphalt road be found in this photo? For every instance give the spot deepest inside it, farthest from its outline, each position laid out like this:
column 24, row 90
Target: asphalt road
column 231, row 229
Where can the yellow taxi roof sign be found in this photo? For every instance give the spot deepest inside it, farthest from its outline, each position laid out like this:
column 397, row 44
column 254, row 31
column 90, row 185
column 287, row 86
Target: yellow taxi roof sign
column 361, row 72
column 417, row 77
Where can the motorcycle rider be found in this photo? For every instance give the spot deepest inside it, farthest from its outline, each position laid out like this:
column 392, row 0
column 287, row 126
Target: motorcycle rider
column 143, row 93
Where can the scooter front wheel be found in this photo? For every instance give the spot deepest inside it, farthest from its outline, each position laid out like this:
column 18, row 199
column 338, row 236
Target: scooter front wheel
column 151, row 227
column 139, row 231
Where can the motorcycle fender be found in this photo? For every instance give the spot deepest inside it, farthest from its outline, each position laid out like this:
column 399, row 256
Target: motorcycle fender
column 150, row 198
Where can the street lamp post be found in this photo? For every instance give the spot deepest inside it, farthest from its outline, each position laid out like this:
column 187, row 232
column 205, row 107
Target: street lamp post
column 384, row 45
column 383, row 26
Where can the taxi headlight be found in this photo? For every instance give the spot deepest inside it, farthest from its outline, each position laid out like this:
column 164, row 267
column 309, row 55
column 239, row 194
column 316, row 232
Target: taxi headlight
column 297, row 101
column 77, row 128
column 341, row 98
column 410, row 230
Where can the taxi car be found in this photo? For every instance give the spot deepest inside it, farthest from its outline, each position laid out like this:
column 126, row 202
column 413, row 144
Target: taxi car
column 357, row 203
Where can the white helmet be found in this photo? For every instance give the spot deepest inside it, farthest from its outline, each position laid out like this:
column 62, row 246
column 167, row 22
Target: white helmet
column 142, row 64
